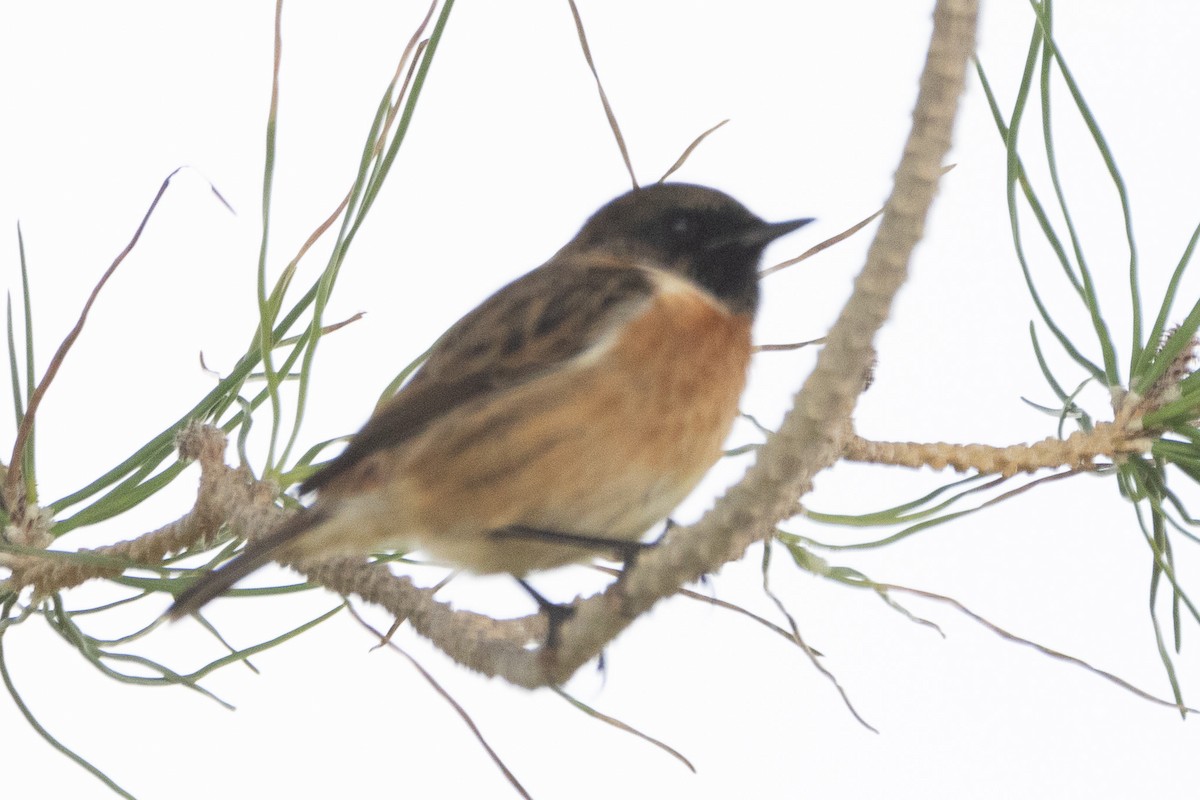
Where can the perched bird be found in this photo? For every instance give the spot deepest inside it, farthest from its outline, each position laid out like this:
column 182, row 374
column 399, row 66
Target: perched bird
column 575, row 407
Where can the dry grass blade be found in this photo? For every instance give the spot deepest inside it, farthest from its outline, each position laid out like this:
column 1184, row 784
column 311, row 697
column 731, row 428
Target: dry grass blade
column 413, row 51
column 437, row 687
column 830, row 242
column 775, row 348
column 713, row 601
column 14, row 476
column 808, row 651
column 688, row 151
column 745, row 612
column 616, row 723
column 608, row 112
column 853, row 229
column 326, row 329
column 1012, row 637
column 411, row 56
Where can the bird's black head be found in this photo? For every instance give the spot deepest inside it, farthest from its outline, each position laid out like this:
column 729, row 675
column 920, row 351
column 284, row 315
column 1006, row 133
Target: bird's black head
column 697, row 232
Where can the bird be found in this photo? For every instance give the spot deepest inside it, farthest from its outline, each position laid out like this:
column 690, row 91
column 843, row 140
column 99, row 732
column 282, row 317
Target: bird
column 565, row 415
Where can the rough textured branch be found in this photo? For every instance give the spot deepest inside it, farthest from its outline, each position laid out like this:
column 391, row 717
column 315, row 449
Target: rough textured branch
column 1078, row 451
column 226, row 495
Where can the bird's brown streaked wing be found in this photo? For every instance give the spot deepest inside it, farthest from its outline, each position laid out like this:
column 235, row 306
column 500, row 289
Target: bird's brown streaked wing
column 533, row 325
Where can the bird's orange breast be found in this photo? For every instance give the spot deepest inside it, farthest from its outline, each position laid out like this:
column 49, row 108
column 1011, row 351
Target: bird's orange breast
column 604, row 447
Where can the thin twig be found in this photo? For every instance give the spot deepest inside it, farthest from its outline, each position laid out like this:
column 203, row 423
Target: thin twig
column 714, row 601
column 414, row 48
column 437, row 687
column 1012, row 637
column 853, row 229
column 688, row 150
column 14, row 472
column 808, row 651
column 830, row 242
column 775, row 348
column 608, row 112
column 622, row 726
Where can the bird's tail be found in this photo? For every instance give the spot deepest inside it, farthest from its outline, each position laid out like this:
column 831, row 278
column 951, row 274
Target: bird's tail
column 256, row 554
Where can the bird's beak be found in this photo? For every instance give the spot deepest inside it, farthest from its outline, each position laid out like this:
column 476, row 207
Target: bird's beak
column 767, row 232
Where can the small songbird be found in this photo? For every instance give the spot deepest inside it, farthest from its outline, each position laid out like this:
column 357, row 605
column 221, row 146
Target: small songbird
column 576, row 406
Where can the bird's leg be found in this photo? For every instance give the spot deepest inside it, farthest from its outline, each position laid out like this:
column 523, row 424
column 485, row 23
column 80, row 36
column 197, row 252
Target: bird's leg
column 556, row 613
column 631, row 558
column 626, row 550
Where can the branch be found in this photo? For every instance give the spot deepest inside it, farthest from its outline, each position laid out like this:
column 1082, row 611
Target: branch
column 1078, row 451
column 225, row 496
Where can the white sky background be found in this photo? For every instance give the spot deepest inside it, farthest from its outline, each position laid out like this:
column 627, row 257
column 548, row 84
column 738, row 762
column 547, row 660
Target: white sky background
column 508, row 153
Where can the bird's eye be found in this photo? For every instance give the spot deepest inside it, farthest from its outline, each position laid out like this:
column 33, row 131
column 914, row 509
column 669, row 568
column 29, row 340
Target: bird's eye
column 682, row 227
